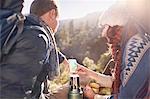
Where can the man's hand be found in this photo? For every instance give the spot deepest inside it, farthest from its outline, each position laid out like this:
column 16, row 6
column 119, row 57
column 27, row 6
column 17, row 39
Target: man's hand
column 67, row 68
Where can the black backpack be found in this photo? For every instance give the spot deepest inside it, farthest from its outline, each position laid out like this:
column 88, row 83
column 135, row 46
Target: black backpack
column 10, row 40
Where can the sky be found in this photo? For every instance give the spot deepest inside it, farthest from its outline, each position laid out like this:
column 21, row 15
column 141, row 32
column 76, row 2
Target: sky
column 76, row 8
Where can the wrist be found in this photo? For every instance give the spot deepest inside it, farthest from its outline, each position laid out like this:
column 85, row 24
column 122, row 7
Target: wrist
column 92, row 75
column 96, row 96
column 92, row 96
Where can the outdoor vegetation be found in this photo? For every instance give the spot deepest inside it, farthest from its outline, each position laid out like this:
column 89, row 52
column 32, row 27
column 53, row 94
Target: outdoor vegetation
column 81, row 39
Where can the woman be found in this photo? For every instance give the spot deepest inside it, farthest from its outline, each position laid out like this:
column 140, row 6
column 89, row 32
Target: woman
column 130, row 44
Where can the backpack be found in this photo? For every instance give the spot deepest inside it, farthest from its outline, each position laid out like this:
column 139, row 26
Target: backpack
column 11, row 39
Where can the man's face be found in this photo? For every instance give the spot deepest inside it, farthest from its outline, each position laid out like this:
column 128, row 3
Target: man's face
column 53, row 21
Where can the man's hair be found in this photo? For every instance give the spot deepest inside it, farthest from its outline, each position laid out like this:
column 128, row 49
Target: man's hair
column 40, row 7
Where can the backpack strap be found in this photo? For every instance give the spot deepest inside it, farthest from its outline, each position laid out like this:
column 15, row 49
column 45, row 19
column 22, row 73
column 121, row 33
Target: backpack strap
column 8, row 44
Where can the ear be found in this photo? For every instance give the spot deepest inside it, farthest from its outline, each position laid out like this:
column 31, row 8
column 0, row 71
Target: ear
column 52, row 13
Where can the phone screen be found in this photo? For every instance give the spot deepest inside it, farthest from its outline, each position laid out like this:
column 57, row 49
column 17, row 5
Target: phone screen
column 72, row 65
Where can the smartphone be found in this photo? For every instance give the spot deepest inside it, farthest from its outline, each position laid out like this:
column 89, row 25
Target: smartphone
column 73, row 65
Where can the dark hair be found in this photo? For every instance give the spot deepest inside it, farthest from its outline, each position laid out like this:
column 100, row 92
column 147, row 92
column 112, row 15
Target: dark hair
column 40, row 7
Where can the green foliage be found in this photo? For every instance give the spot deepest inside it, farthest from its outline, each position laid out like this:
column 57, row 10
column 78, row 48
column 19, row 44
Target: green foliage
column 99, row 65
column 89, row 63
column 104, row 58
column 80, row 38
column 57, row 83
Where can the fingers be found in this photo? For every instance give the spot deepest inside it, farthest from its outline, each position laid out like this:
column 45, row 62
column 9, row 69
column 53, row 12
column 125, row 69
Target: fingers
column 88, row 88
column 81, row 72
column 81, row 68
column 88, row 92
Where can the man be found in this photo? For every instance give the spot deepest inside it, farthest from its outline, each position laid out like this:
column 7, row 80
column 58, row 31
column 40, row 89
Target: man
column 28, row 53
column 47, row 12
column 130, row 46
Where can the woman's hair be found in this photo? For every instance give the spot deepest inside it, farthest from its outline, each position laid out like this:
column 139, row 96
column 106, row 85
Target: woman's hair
column 114, row 37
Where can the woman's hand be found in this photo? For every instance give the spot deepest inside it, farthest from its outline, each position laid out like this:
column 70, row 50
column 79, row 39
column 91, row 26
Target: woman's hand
column 67, row 68
column 88, row 92
column 103, row 80
column 83, row 72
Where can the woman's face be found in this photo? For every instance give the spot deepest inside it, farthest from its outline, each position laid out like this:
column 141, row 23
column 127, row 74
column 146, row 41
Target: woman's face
column 148, row 14
column 140, row 9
